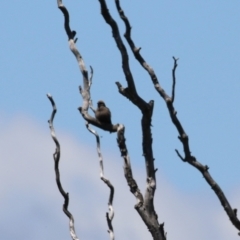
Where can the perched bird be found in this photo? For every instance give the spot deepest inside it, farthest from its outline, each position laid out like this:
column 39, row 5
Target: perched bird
column 102, row 113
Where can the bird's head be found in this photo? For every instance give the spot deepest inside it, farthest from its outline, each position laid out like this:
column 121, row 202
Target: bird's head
column 101, row 104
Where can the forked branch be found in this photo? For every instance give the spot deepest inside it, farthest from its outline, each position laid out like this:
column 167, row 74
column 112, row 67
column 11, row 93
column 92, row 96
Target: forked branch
column 85, row 91
column 146, row 108
column 174, row 78
column 183, row 137
column 156, row 230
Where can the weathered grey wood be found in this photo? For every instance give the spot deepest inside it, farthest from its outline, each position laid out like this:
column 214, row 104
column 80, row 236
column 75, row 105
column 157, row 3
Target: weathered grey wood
column 183, row 137
column 56, row 157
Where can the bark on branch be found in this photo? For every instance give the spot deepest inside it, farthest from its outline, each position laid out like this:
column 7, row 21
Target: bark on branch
column 110, row 213
column 56, row 157
column 149, row 216
column 85, row 91
column 183, row 137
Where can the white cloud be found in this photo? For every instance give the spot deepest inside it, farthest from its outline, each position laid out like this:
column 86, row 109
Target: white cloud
column 31, row 206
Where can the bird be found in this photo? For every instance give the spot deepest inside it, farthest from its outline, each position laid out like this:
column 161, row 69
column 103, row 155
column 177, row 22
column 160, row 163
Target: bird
column 102, row 113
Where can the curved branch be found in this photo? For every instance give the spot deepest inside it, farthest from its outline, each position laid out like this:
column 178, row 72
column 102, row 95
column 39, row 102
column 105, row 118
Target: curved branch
column 56, row 157
column 131, row 93
column 84, row 111
column 131, row 89
column 127, row 167
column 125, row 61
column 110, row 213
column 150, row 218
column 71, row 34
column 173, row 114
column 146, row 109
column 85, row 92
column 136, row 51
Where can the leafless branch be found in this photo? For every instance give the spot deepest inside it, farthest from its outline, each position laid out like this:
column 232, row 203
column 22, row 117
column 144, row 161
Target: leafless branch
column 180, row 156
column 56, row 157
column 136, row 50
column 85, row 92
column 174, row 77
column 157, row 233
column 146, row 108
column 182, row 135
column 131, row 89
column 127, row 167
column 110, row 213
column 91, row 77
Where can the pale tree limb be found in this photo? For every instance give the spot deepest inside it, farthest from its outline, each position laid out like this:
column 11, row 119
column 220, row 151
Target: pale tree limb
column 183, row 137
column 147, row 211
column 56, row 157
column 140, row 205
column 85, row 91
column 87, row 81
column 127, row 168
column 110, row 213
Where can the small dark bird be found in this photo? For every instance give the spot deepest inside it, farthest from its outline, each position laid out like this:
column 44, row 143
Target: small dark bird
column 103, row 114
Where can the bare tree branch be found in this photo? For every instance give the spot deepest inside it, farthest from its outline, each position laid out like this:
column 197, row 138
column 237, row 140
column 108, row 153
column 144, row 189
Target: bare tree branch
column 183, row 137
column 71, row 34
column 56, row 157
column 110, row 213
column 174, row 77
column 146, row 108
column 149, row 216
column 127, row 167
column 157, row 233
column 131, row 89
column 136, row 51
column 85, row 92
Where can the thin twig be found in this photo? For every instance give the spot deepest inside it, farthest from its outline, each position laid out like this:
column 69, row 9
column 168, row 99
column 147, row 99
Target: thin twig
column 56, row 157
column 91, row 77
column 110, row 213
column 174, row 78
column 86, row 81
column 85, row 92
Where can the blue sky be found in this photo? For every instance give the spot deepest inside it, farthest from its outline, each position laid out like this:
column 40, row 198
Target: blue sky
column 36, row 60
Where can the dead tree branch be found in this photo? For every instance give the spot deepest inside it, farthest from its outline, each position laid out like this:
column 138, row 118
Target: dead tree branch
column 85, row 92
column 56, row 157
column 157, row 233
column 110, row 213
column 174, row 77
column 149, row 216
column 183, row 137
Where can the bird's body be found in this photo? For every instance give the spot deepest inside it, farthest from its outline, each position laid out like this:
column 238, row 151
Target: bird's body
column 103, row 114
